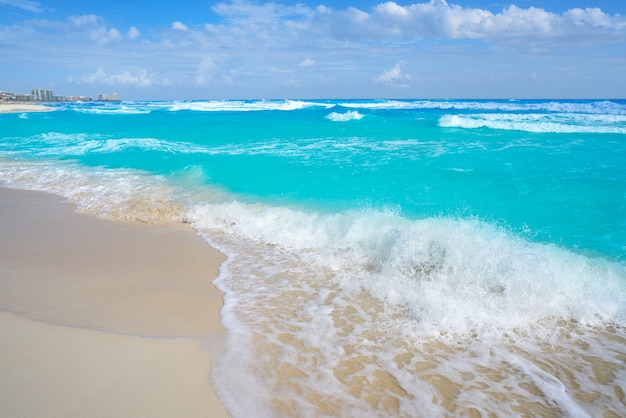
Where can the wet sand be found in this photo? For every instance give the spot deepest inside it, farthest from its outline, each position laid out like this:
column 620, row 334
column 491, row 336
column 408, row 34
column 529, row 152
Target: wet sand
column 103, row 318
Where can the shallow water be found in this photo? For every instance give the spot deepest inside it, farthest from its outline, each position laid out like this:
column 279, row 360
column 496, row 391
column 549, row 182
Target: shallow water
column 404, row 258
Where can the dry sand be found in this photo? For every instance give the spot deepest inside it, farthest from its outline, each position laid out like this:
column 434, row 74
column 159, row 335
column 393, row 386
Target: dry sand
column 101, row 318
column 23, row 107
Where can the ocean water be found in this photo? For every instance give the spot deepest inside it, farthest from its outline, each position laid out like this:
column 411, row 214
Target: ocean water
column 411, row 258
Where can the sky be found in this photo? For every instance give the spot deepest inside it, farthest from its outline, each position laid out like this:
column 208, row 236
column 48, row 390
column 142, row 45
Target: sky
column 248, row 49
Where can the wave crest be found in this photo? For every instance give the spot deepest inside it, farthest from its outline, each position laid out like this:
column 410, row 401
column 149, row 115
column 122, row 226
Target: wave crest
column 538, row 123
column 489, row 279
column 344, row 117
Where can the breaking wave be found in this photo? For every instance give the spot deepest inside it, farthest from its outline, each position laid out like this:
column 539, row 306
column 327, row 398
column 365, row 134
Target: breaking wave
column 539, row 123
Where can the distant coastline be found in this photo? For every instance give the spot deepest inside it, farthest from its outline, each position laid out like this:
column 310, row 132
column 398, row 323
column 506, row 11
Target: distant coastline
column 40, row 97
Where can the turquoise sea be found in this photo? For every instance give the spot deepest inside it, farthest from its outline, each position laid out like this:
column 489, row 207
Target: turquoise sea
column 385, row 257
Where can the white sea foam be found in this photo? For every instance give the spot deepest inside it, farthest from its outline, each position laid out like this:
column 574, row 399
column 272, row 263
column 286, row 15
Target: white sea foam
column 539, row 123
column 490, row 279
column 328, row 299
column 117, row 194
column 599, row 107
column 344, row 117
column 558, row 107
column 77, row 144
column 245, row 106
column 145, row 107
column 113, row 109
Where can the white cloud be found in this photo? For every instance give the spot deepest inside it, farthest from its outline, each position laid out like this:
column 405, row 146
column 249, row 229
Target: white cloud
column 206, row 71
column 140, row 78
column 268, row 12
column 591, row 16
column 392, row 9
column 395, row 76
column 179, row 26
column 89, row 26
column 358, row 15
column 27, row 5
column 85, row 20
column 133, row 33
column 307, row 62
column 321, row 9
column 438, row 20
column 333, row 49
column 103, row 36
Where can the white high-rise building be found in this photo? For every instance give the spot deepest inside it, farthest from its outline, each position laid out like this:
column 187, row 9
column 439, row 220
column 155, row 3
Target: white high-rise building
column 43, row 95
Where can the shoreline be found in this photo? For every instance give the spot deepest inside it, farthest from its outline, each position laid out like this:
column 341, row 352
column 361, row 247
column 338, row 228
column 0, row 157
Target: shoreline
column 24, row 107
column 103, row 318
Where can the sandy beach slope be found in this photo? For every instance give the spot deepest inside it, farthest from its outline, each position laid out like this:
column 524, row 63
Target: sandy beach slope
column 23, row 107
column 103, row 319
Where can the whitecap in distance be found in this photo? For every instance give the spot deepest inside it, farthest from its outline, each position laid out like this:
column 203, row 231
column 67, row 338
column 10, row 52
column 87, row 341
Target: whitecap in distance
column 345, row 117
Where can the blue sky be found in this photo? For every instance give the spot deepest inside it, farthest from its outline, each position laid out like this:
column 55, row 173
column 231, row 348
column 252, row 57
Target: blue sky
column 196, row 49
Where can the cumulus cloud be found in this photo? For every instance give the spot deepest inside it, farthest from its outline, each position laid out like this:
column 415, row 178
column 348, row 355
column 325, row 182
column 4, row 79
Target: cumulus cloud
column 103, row 35
column 133, row 33
column 250, row 22
column 439, row 20
column 593, row 17
column 395, row 76
column 140, row 78
column 27, row 5
column 89, row 26
column 335, row 47
column 179, row 26
column 206, row 71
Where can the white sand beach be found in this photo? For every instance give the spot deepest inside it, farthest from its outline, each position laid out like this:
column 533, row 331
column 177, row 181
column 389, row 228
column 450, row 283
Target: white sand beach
column 23, row 107
column 101, row 318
